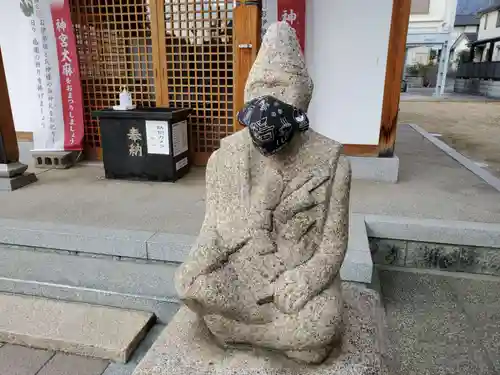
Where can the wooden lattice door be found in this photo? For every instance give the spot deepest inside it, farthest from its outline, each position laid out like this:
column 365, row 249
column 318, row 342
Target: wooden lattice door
column 171, row 53
column 198, row 69
column 115, row 42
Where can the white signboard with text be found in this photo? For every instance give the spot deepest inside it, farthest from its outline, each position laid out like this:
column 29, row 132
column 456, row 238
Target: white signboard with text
column 157, row 137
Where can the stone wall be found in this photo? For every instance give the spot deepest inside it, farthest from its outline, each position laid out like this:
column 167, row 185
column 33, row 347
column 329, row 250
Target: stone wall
column 475, row 86
column 456, row 258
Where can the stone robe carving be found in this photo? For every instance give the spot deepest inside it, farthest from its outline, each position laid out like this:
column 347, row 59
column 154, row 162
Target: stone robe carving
column 265, row 268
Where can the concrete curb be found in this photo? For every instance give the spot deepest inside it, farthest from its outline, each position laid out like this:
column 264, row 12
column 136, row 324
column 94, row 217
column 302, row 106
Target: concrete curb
column 95, row 240
column 375, row 168
column 108, row 272
column 467, row 163
column 105, row 332
column 163, row 308
column 153, row 246
column 435, row 231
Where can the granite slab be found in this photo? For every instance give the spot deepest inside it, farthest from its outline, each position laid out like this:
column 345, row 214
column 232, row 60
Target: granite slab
column 186, row 347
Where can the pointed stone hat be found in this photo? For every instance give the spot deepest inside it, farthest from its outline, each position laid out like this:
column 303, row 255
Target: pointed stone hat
column 280, row 69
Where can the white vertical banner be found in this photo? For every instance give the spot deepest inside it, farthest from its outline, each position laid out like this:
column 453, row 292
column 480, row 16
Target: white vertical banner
column 269, row 13
column 49, row 135
column 59, row 109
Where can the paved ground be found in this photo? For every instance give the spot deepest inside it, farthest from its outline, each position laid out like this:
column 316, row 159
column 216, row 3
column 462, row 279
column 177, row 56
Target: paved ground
column 18, row 360
column 442, row 325
column 472, row 127
column 432, row 185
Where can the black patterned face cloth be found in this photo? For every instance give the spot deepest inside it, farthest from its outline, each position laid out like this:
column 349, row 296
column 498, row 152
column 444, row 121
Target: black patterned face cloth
column 272, row 123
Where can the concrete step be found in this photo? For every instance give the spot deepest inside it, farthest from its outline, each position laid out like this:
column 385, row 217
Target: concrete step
column 75, row 328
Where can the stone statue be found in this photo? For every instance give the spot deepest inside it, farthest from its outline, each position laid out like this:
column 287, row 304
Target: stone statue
column 265, row 269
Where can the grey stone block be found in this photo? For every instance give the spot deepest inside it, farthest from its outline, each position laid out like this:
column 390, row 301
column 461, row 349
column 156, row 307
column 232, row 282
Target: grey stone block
column 170, row 247
column 163, row 308
column 55, row 159
column 357, row 265
column 67, row 364
column 388, row 252
column 358, row 237
column 18, row 360
column 25, row 152
column 186, row 347
column 432, row 255
column 17, row 182
column 146, row 344
column 12, row 169
column 75, row 328
column 375, row 168
column 480, row 260
column 127, row 277
column 436, row 231
column 119, row 242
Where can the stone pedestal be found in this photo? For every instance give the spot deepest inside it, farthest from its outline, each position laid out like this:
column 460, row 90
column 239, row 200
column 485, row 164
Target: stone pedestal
column 186, row 347
column 12, row 173
column 13, row 176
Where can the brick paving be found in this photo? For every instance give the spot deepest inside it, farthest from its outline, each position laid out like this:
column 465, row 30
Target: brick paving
column 19, row 360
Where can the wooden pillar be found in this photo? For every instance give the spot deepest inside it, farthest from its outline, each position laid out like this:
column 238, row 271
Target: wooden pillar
column 247, row 34
column 394, row 72
column 9, row 152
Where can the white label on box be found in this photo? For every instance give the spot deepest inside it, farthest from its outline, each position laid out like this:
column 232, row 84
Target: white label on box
column 180, row 137
column 181, row 164
column 157, row 137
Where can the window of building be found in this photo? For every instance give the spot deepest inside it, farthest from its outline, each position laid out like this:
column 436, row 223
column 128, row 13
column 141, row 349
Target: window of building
column 486, row 20
column 420, row 6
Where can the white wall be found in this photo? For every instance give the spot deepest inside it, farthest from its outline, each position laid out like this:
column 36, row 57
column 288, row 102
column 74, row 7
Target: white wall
column 15, row 42
column 419, row 55
column 346, row 50
column 491, row 30
column 462, row 45
column 459, row 30
column 440, row 18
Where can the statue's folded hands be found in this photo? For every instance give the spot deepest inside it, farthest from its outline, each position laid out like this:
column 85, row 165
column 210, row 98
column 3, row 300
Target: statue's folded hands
column 291, row 292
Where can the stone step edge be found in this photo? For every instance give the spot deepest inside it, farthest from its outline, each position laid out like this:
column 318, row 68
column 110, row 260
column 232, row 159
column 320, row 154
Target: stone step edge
column 35, row 329
column 162, row 308
column 154, row 246
column 172, row 247
column 447, row 232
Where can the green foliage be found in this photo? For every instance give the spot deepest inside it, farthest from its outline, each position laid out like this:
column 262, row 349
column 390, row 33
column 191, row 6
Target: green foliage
column 419, row 70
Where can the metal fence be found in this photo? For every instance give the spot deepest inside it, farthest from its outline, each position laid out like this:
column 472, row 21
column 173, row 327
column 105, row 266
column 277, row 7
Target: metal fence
column 481, row 70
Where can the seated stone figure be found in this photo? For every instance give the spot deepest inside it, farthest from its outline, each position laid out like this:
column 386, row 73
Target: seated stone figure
column 265, row 269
